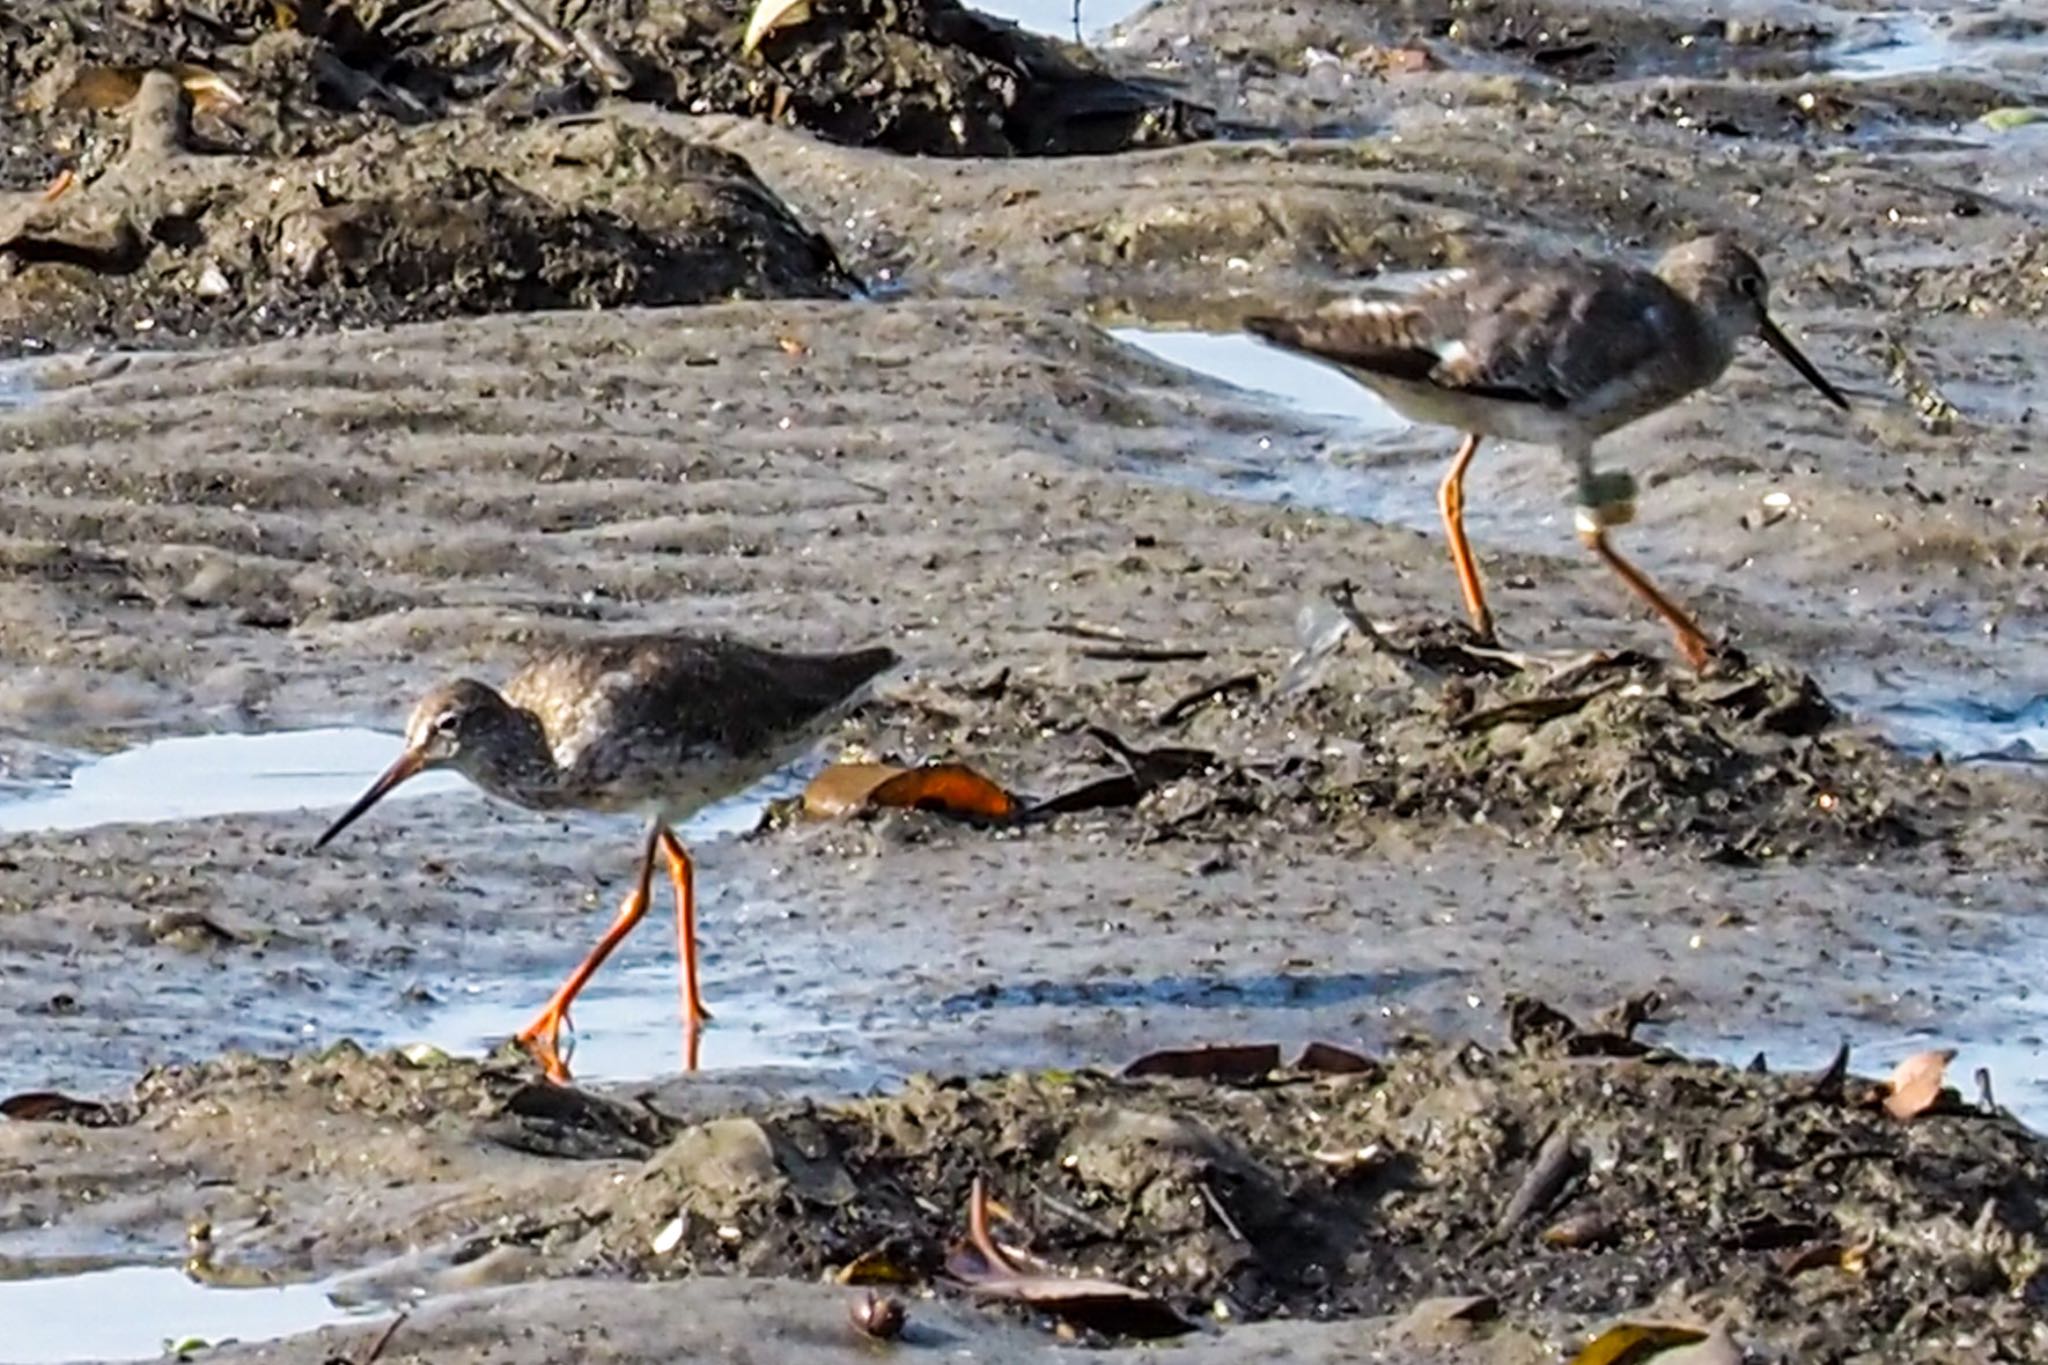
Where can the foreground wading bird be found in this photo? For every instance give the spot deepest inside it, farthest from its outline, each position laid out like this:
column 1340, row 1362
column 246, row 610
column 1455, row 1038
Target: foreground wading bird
column 1558, row 354
column 658, row 724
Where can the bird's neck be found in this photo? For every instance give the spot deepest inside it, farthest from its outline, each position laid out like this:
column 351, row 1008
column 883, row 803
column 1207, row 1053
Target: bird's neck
column 1719, row 333
column 521, row 768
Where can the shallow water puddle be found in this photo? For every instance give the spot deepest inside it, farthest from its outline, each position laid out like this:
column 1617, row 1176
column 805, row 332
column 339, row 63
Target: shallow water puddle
column 132, row 1312
column 1966, row 730
column 628, row 1024
column 1243, row 361
column 17, row 385
column 2017, row 1068
column 1060, row 18
column 1920, row 45
column 1908, row 45
column 200, row 776
column 1271, row 378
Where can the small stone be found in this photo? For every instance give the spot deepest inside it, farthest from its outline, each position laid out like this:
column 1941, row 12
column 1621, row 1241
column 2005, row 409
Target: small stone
column 879, row 1316
column 671, row 1237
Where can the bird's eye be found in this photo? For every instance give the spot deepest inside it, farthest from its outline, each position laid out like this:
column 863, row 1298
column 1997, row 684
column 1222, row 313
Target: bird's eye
column 447, row 723
column 1749, row 286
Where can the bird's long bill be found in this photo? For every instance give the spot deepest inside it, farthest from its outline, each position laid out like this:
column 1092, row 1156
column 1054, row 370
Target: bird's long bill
column 406, row 765
column 1782, row 344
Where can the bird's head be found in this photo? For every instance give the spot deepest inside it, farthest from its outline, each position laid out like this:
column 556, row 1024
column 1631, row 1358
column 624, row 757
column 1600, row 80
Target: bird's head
column 1725, row 283
column 457, row 725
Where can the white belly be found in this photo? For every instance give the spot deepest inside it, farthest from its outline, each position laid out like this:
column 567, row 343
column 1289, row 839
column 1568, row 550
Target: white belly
column 1525, row 422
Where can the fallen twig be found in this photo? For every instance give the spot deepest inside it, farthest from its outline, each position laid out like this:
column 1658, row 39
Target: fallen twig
column 383, row 1340
column 1194, row 701
column 1557, row 1161
column 1222, row 1214
column 549, row 36
column 1146, row 654
column 605, row 62
column 1344, row 597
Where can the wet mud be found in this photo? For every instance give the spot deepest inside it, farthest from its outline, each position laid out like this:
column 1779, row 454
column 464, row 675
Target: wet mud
column 1554, row 1178
column 433, row 342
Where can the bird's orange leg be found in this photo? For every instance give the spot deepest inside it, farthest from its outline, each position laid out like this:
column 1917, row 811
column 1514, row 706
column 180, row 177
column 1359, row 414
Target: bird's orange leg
column 683, row 874
column 1692, row 642
column 1450, row 500
column 542, row 1037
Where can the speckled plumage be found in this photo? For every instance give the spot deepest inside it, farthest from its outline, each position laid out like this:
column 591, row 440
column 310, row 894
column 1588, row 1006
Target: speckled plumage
column 1560, row 353
column 656, row 723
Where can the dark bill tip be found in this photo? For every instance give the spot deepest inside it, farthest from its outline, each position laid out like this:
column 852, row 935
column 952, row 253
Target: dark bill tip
column 406, row 765
column 1782, row 344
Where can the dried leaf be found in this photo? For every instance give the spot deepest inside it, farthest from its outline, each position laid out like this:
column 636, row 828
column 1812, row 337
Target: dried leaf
column 2004, row 120
column 1828, row 1084
column 48, row 1106
column 1154, row 767
column 1824, row 1256
column 949, row 788
column 1228, row 1062
column 1104, row 1305
column 1632, row 1342
column 1557, row 1164
column 106, row 88
column 1717, row 1349
column 876, row 1265
column 772, row 16
column 1916, row 1085
column 844, row 788
column 1105, row 793
column 1588, row 1229
column 1448, row 1318
column 1330, row 1060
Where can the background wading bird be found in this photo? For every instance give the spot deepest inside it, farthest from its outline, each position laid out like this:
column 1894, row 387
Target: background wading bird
column 1557, row 354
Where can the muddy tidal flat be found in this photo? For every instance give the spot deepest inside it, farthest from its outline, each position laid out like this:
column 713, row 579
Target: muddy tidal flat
column 1349, row 994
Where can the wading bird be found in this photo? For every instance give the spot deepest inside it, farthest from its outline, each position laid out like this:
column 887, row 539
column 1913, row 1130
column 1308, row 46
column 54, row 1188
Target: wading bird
column 1557, row 354
column 658, row 724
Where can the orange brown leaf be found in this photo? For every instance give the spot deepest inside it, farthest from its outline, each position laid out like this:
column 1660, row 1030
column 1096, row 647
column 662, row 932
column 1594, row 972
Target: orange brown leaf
column 1630, row 1343
column 1221, row 1062
column 1916, row 1085
column 994, row 1271
column 947, row 788
column 845, row 788
column 106, row 88
column 950, row 788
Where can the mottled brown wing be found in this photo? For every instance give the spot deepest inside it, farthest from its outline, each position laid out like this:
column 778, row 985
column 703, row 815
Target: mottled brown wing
column 1390, row 338
column 691, row 696
column 1549, row 336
